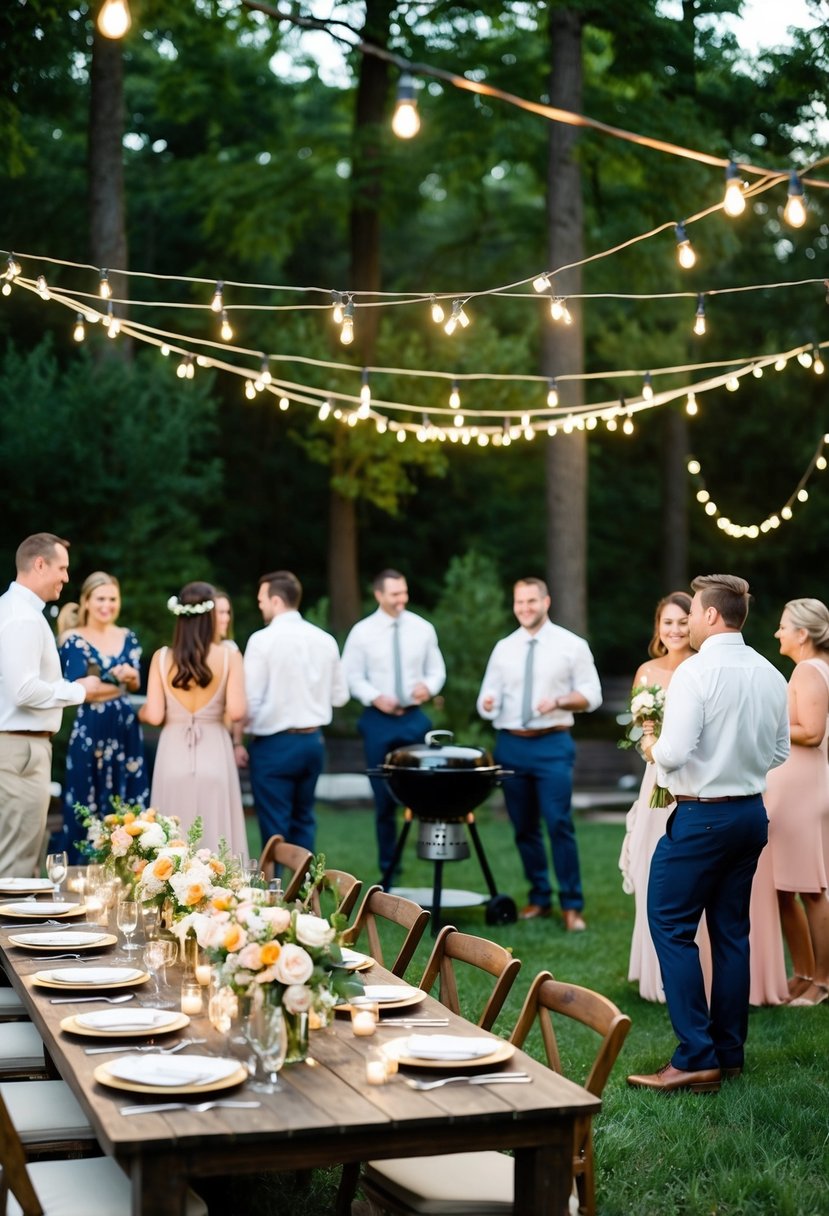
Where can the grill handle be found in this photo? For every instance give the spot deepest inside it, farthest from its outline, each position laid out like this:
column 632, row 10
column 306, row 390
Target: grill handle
column 433, row 738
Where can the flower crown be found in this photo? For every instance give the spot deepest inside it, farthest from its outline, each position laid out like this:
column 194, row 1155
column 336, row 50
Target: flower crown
column 175, row 606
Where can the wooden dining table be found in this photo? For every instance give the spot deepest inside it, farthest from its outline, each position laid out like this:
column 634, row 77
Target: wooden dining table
column 324, row 1113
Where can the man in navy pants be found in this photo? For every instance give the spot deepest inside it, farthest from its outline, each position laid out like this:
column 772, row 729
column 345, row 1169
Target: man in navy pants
column 726, row 724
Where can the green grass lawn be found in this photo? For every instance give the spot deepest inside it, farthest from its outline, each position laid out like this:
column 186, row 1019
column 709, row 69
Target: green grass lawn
column 759, row 1146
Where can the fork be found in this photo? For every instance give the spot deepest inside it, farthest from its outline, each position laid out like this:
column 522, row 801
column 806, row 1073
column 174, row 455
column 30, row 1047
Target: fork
column 83, row 1000
column 54, row 958
column 487, row 1078
column 198, row 1107
column 161, row 1051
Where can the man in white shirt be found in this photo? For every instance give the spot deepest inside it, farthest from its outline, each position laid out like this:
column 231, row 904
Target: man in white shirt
column 536, row 680
column 726, row 724
column 32, row 698
column 293, row 680
column 393, row 666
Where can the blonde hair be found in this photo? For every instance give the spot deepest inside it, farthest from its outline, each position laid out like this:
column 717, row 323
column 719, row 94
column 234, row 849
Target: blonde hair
column 71, row 615
column 682, row 600
column 813, row 616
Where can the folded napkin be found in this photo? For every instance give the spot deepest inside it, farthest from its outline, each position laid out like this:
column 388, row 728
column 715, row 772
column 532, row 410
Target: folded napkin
column 174, row 1071
column 353, row 958
column 126, row 1019
column 386, row 992
column 448, row 1047
column 94, row 975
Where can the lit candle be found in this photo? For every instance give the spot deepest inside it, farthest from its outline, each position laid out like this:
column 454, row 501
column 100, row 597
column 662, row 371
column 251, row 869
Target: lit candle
column 203, row 974
column 191, row 998
column 362, row 1022
column 375, row 1072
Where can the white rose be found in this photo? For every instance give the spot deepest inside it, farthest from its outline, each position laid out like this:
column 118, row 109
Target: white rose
column 313, row 931
column 152, row 838
column 297, row 998
column 294, row 965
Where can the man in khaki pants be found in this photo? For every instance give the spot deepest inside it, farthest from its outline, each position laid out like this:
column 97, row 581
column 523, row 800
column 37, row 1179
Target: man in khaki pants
column 32, row 698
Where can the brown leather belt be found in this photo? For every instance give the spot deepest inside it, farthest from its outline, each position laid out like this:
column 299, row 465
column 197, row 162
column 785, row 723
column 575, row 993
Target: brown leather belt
column 536, row 734
column 300, row 730
column 31, row 734
column 723, row 798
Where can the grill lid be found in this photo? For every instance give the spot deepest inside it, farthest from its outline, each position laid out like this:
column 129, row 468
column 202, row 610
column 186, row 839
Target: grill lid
column 436, row 756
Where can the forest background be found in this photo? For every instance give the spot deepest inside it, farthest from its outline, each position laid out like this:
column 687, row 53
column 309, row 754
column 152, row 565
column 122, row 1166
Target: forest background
column 236, row 169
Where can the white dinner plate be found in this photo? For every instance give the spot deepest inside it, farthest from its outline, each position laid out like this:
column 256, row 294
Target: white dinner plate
column 171, row 1074
column 387, row 996
column 67, row 939
column 31, row 910
column 125, row 1023
column 401, row 1049
column 25, row 886
column 90, row 977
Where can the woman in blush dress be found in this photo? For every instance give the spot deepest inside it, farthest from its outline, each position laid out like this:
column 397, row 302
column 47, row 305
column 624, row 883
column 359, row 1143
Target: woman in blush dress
column 105, row 756
column 797, row 801
column 192, row 687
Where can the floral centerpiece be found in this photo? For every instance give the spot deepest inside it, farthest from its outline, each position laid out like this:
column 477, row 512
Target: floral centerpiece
column 128, row 838
column 647, row 705
column 286, row 955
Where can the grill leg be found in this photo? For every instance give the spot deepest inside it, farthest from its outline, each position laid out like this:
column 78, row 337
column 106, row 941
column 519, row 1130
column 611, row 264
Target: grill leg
column 479, row 849
column 386, row 880
column 437, row 887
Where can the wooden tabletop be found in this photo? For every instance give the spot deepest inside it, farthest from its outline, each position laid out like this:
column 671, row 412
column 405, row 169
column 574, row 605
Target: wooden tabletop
column 324, row 1113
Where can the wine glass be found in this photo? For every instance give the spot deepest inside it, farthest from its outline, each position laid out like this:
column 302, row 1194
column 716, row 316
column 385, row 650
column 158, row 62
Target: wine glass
column 267, row 1035
column 126, row 918
column 56, row 866
column 150, row 916
column 157, row 956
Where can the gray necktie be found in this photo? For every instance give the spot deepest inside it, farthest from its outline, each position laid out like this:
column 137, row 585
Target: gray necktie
column 527, row 711
column 398, row 664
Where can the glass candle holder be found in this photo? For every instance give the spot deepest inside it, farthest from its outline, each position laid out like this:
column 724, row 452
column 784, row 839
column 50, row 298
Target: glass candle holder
column 376, row 1072
column 191, row 997
column 364, row 1017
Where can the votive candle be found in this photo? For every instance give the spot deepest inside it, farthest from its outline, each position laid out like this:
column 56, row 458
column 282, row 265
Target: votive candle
column 191, row 998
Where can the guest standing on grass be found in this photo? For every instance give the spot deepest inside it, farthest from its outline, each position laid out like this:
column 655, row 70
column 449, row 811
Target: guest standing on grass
column 105, row 757
column 725, row 725
column 535, row 681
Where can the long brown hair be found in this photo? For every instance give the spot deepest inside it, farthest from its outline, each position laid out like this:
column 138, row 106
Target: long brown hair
column 193, row 637
column 656, row 647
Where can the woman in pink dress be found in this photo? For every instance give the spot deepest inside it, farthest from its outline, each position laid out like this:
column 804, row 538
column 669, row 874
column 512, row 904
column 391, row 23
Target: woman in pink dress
column 797, row 801
column 193, row 686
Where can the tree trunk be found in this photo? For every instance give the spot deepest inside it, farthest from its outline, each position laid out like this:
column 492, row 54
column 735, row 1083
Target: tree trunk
column 675, row 502
column 343, row 577
column 563, row 345
column 108, row 234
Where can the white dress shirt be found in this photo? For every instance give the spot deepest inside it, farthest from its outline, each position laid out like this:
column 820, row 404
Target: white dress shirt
column 368, row 657
column 726, row 721
column 33, row 692
column 293, row 676
column 562, row 664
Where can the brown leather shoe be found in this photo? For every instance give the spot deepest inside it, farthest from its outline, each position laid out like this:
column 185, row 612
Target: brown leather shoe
column 532, row 912
column 574, row 922
column 731, row 1074
column 669, row 1079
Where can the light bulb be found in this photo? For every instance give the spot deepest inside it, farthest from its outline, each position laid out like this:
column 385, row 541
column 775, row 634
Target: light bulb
column 703, row 496
column 114, row 18
column 265, row 371
column 611, row 424
column 459, row 420
column 165, row 350
column 552, row 394
column 337, row 305
column 710, row 508
column 324, row 411
column 794, row 212
column 43, row 288
column 734, row 202
column 401, row 436
column 802, row 495
column 780, row 364
column 804, row 359
column 284, row 403
column 699, row 320
column 691, row 406
column 189, row 370
column 217, row 303
column 6, row 288
column 757, row 372
column 694, row 467
column 463, row 319
column 79, row 332
column 12, row 267
column 365, row 391
column 406, row 121
column 818, row 366
column 347, row 331
column 437, row 311
column 454, row 396
column 541, row 283
column 567, row 316
column 627, row 426
column 181, row 370
column 732, row 384
column 457, row 318
column 785, row 512
column 557, row 309
column 113, row 323
column 250, row 391
column 647, row 387
column 382, row 425
column 592, row 422
column 227, row 329
column 820, row 463
column 104, row 288
column 684, row 249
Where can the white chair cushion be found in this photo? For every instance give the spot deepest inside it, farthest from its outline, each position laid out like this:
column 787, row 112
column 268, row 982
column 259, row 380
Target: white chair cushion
column 457, row 1184
column 92, row 1187
column 10, row 1004
column 20, row 1047
column 45, row 1110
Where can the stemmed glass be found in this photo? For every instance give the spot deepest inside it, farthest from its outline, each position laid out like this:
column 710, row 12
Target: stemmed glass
column 126, row 919
column 56, row 866
column 157, row 956
column 266, row 1033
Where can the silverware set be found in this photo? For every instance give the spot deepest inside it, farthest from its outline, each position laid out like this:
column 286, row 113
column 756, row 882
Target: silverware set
column 412, row 1022
column 486, row 1078
column 83, row 1000
column 159, row 1051
column 196, row 1107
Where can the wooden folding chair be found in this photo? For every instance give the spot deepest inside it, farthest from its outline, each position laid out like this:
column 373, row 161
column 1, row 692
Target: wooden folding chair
column 341, row 890
column 450, row 947
column 279, row 853
column 392, row 909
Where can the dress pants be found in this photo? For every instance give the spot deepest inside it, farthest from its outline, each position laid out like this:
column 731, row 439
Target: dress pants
column 705, row 862
column 284, row 769
column 25, row 773
column 382, row 733
column 542, row 789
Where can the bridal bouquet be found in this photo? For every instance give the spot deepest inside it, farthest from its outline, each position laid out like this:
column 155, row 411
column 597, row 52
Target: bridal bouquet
column 647, row 704
column 128, row 838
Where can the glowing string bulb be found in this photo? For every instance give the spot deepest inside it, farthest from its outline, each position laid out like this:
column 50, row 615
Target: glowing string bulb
column 691, row 407
column 699, row 319
column 250, row 390
column 541, row 283
column 458, row 317
column 802, row 495
column 694, row 467
column 6, row 288
column 337, row 307
column 647, row 387
column 438, row 314
column 818, row 366
column 406, row 121
column 780, row 364
column 710, row 508
column 732, row 384
column 684, row 249
column 43, row 288
column 347, row 331
column 734, row 202
column 786, row 513
column 365, row 396
column 592, row 422
column 12, row 267
column 79, row 332
column 324, row 410
column 114, row 18
column 164, row 349
column 627, row 425
column 804, row 359
column 265, row 371
column 113, row 323
column 455, row 396
column 757, row 372
column 552, row 394
column 226, row 329
column 458, row 420
column 401, row 436
column 794, row 212
column 703, row 496
column 284, row 403
column 217, row 303
column 820, row 463
column 104, row 289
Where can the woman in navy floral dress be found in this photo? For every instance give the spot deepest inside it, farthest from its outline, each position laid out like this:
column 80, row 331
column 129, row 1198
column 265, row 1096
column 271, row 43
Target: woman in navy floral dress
column 106, row 748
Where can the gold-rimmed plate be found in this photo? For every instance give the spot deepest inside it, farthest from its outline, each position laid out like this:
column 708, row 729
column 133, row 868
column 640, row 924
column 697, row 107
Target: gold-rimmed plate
column 63, row 940
column 125, row 1023
column 90, row 979
column 135, row 1074
column 382, row 994
column 45, row 910
column 354, row 961
column 502, row 1051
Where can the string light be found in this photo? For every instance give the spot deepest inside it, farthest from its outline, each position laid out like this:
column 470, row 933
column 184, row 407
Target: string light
column 454, row 396
column 113, row 322
column 794, row 212
column 324, row 410
column 250, row 390
column 732, row 384
column 552, row 394
column 12, row 267
column 185, row 369
column 406, row 121
column 79, row 332
column 457, row 318
column 734, row 202
column 43, row 288
column 401, row 435
column 114, row 18
column 541, row 283
column 284, row 403
column 691, row 407
column 347, row 331
column 757, row 372
column 699, row 319
column 217, row 304
column 647, row 387
column 804, row 359
column 560, row 312
column 104, row 289
column 365, row 396
column 226, row 330
column 265, row 371
column 818, row 366
column 684, row 249
column 337, row 307
column 437, row 311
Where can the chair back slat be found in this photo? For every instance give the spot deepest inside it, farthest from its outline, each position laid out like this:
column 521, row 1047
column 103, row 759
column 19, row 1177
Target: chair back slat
column 380, row 906
column 278, row 852
column 341, row 893
column 451, row 946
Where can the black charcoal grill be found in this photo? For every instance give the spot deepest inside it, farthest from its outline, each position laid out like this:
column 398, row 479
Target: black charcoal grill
column 441, row 784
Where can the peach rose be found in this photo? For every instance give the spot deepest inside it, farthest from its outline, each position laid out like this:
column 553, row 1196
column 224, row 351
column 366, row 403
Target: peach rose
column 294, row 965
column 162, row 868
column 217, row 866
column 134, row 828
column 250, row 957
column 270, row 953
column 194, row 894
column 235, row 938
column 279, row 918
column 297, row 998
